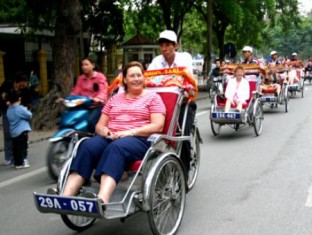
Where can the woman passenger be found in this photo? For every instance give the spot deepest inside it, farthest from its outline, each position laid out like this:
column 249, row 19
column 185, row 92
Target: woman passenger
column 127, row 120
column 237, row 90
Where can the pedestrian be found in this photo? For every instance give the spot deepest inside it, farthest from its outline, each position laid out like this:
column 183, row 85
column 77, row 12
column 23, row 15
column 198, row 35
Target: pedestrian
column 19, row 117
column 170, row 58
column 7, row 140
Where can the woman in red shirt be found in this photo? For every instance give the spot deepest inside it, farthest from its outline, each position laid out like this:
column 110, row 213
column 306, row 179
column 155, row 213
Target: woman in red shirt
column 91, row 84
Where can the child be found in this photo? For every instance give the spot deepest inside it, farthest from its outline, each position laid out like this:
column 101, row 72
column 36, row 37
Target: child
column 18, row 117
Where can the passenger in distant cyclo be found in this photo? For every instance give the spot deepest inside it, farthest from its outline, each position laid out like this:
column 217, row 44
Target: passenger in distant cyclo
column 270, row 80
column 237, row 91
column 247, row 54
column 292, row 76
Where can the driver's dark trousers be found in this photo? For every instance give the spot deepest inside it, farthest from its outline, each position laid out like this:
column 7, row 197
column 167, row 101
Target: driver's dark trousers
column 186, row 146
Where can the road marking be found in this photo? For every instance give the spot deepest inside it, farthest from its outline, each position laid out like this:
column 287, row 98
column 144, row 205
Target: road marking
column 201, row 113
column 309, row 198
column 23, row 177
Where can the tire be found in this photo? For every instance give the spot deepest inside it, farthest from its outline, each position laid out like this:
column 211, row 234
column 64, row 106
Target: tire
column 286, row 102
column 302, row 90
column 257, row 119
column 167, row 197
column 77, row 223
column 195, row 159
column 56, row 157
column 215, row 128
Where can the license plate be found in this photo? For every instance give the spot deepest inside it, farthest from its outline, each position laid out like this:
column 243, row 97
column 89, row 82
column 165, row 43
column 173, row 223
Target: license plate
column 268, row 99
column 227, row 115
column 294, row 88
column 71, row 205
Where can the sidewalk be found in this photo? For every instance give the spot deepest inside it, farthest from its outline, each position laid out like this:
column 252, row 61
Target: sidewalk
column 37, row 136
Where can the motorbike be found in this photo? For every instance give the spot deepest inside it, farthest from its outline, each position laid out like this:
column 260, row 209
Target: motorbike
column 216, row 87
column 73, row 126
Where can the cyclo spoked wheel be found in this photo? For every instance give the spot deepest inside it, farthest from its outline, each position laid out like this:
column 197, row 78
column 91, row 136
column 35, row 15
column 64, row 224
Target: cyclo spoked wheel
column 258, row 117
column 56, row 157
column 215, row 128
column 167, row 197
column 195, row 159
column 77, row 223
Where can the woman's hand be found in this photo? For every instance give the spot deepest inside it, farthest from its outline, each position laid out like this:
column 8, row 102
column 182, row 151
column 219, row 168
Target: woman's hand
column 97, row 100
column 120, row 134
column 104, row 131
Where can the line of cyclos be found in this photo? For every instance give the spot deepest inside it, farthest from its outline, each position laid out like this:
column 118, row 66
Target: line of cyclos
column 271, row 85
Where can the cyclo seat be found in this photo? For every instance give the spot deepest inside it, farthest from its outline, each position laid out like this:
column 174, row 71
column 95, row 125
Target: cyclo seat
column 251, row 75
column 173, row 85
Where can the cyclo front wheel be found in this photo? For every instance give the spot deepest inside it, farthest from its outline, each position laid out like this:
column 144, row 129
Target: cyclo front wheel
column 56, row 157
column 258, row 118
column 77, row 223
column 167, row 197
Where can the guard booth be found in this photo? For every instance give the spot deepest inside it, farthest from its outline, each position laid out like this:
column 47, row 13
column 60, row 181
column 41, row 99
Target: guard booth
column 139, row 48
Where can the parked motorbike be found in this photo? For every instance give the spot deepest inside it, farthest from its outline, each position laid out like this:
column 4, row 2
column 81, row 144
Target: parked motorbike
column 72, row 127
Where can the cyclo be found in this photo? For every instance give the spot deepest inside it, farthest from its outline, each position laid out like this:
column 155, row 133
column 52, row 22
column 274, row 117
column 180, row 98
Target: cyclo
column 298, row 86
column 252, row 113
column 156, row 185
column 269, row 95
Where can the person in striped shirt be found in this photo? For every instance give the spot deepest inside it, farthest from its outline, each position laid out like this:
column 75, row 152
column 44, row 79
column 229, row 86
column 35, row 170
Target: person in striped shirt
column 127, row 120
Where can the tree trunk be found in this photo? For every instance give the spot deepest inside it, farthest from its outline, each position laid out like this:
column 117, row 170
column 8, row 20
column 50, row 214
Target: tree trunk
column 65, row 51
column 209, row 38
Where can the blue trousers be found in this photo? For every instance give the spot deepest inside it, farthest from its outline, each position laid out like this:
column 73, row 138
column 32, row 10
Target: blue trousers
column 110, row 157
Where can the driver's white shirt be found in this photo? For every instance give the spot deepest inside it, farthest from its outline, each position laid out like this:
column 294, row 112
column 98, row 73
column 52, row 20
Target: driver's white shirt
column 181, row 59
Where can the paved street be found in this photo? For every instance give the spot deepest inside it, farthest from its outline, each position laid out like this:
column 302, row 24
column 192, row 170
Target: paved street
column 247, row 185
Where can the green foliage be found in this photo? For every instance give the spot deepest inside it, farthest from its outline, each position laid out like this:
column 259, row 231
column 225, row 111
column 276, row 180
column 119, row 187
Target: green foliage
column 142, row 19
column 297, row 38
column 12, row 11
column 104, row 19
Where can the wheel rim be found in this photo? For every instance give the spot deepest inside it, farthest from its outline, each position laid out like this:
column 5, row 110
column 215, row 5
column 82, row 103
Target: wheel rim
column 215, row 128
column 168, row 199
column 59, row 156
column 258, row 120
column 77, row 223
column 194, row 163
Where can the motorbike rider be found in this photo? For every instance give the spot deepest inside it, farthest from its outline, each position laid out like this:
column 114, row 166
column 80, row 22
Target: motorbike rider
column 308, row 68
column 92, row 84
column 215, row 72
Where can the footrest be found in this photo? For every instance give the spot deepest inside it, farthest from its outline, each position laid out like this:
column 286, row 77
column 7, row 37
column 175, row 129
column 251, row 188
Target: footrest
column 90, row 207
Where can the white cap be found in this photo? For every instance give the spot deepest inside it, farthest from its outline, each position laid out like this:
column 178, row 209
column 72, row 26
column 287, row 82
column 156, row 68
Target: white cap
column 273, row 53
column 168, row 35
column 294, row 53
column 247, row 48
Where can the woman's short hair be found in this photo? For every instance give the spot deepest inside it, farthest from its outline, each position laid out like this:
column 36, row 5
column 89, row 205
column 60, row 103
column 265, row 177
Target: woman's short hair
column 127, row 67
column 239, row 67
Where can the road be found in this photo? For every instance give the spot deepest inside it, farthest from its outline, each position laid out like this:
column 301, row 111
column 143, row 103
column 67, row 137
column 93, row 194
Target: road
column 247, row 184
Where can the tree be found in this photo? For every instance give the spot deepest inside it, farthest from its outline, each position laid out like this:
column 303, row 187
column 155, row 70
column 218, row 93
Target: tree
column 65, row 49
